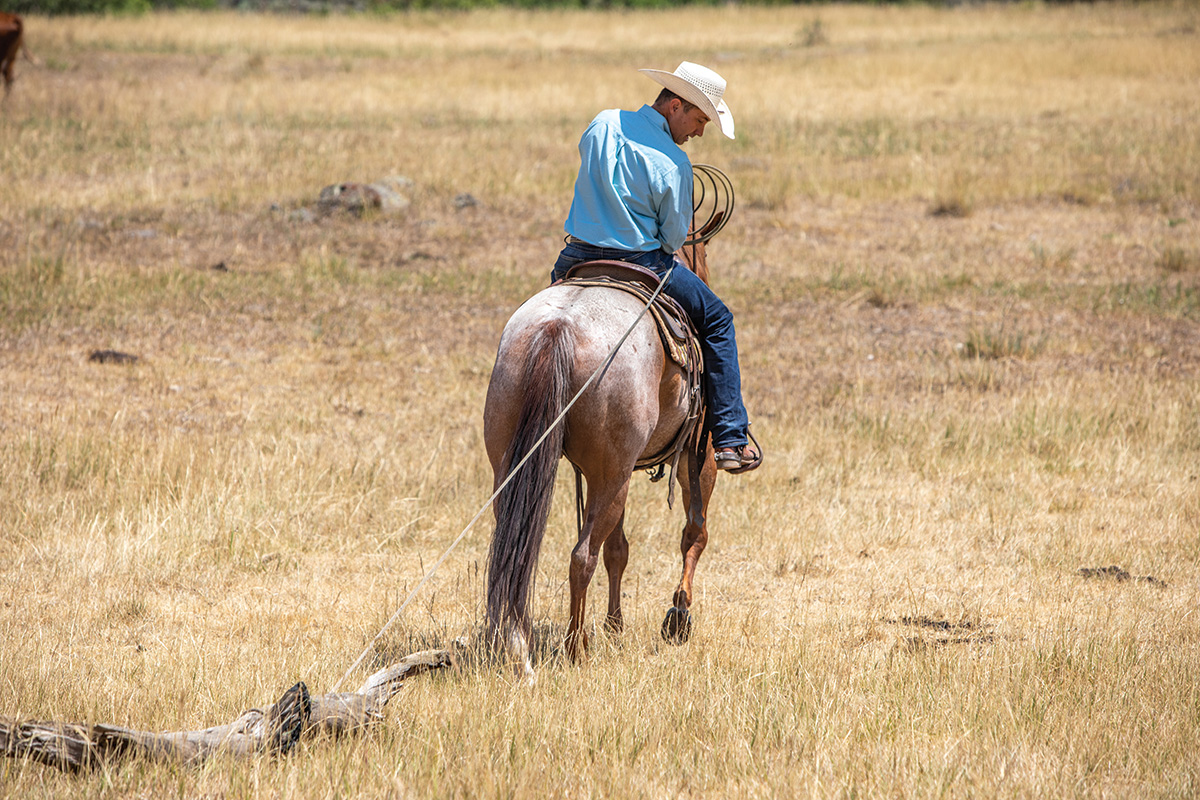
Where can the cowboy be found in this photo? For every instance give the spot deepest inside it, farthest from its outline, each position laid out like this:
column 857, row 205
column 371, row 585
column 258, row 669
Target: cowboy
column 633, row 202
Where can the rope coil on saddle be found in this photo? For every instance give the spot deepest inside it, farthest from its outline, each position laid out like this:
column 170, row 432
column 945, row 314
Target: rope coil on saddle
column 711, row 188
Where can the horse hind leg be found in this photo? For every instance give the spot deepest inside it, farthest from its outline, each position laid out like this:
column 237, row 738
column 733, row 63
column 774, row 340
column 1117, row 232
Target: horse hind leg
column 697, row 490
column 605, row 508
column 616, row 557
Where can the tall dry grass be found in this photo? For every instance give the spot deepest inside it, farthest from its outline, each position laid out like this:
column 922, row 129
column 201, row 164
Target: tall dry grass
column 964, row 268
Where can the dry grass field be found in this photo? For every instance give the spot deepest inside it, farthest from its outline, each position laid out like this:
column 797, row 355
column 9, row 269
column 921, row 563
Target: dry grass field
column 965, row 264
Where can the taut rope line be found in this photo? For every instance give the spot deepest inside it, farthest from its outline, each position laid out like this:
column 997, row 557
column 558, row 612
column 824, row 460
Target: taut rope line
column 511, row 474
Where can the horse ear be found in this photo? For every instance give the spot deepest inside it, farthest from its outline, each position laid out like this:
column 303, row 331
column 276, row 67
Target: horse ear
column 695, row 257
column 713, row 223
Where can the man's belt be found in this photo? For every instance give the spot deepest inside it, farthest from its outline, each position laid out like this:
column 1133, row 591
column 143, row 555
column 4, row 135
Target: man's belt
column 576, row 240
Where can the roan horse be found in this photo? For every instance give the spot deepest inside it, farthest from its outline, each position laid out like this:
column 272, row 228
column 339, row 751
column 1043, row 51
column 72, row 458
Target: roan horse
column 550, row 347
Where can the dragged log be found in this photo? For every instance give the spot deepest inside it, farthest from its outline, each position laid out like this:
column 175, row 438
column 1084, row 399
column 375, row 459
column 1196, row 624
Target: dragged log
column 275, row 729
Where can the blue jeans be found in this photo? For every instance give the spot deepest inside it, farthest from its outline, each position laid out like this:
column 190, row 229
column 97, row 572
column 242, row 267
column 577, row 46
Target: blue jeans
column 727, row 417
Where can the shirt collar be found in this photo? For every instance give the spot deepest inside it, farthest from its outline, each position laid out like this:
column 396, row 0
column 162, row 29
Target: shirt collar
column 656, row 119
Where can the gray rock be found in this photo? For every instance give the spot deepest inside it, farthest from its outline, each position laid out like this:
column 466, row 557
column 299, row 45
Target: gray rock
column 356, row 198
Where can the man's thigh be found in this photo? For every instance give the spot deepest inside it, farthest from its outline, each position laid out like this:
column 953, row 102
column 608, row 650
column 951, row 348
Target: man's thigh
column 694, row 295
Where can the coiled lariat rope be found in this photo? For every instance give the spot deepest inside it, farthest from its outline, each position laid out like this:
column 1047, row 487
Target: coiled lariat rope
column 710, row 185
column 708, row 180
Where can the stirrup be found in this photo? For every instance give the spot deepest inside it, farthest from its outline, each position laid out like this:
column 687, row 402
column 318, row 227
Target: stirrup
column 739, row 462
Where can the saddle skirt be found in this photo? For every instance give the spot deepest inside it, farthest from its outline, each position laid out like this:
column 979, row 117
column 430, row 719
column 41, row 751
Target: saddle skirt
column 679, row 339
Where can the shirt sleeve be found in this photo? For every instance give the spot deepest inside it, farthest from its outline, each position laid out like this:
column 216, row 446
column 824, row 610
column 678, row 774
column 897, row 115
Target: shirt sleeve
column 674, row 209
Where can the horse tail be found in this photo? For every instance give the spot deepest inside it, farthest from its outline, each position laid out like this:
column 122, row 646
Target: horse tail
column 523, row 506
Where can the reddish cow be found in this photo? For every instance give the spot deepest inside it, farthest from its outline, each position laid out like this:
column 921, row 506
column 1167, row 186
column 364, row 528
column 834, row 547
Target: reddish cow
column 10, row 45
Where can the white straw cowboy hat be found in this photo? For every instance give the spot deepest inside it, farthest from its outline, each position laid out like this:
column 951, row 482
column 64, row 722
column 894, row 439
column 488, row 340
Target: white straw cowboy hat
column 701, row 87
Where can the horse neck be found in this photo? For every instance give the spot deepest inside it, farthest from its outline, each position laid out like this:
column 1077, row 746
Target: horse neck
column 695, row 256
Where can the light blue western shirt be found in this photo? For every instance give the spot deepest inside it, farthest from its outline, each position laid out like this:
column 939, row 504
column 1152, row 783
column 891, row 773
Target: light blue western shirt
column 634, row 190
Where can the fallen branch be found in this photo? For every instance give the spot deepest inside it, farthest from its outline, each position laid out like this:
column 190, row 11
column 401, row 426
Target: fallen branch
column 274, row 729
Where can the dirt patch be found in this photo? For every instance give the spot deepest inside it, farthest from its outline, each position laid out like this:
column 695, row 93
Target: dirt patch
column 1118, row 574
column 112, row 357
column 918, row 643
column 941, row 633
column 937, row 624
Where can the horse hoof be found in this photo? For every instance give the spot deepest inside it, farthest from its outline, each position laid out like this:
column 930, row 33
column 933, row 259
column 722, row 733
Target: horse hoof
column 677, row 626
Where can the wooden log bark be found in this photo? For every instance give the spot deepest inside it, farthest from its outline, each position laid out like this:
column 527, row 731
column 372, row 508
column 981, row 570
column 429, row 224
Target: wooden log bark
column 275, row 729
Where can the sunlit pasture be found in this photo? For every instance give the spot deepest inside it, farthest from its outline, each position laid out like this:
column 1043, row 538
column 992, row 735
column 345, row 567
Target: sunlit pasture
column 965, row 267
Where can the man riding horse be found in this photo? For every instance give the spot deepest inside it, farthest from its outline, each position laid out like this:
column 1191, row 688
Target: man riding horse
column 633, row 202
